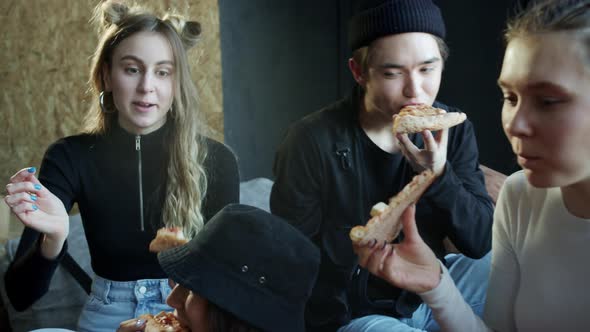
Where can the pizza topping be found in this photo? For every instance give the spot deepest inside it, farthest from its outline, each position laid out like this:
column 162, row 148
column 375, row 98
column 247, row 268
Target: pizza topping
column 163, row 322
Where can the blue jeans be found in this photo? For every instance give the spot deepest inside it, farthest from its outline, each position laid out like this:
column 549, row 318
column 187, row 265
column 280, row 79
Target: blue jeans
column 111, row 302
column 470, row 276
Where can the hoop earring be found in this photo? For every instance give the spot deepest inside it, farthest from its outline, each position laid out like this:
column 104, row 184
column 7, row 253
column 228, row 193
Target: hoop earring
column 101, row 102
column 103, row 108
column 172, row 112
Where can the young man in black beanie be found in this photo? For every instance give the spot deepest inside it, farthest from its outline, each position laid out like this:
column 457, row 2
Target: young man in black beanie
column 335, row 164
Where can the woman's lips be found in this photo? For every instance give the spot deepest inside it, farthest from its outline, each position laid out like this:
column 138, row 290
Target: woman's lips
column 143, row 107
column 529, row 161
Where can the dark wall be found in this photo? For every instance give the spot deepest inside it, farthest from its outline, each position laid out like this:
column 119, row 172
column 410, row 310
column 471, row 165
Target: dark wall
column 474, row 36
column 280, row 61
column 284, row 59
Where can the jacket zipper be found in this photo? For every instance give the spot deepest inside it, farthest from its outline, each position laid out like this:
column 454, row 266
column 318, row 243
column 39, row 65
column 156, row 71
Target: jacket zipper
column 138, row 149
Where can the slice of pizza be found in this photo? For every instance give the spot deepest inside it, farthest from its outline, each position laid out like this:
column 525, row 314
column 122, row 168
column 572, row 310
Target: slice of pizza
column 163, row 322
column 385, row 224
column 417, row 118
column 167, row 238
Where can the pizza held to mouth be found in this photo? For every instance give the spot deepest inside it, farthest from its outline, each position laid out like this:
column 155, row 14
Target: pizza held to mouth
column 417, row 118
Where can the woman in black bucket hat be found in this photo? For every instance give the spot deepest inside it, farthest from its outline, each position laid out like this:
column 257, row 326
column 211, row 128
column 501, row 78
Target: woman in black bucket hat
column 247, row 270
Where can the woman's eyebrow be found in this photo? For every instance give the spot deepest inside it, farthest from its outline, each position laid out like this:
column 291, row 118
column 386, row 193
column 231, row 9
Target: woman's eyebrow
column 136, row 59
column 546, row 85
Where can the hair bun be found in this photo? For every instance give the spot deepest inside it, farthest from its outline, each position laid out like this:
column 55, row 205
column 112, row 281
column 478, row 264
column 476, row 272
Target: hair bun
column 189, row 31
column 110, row 12
column 190, row 34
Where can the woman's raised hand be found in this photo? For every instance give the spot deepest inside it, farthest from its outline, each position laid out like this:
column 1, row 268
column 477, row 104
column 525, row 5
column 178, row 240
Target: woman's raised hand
column 410, row 264
column 39, row 209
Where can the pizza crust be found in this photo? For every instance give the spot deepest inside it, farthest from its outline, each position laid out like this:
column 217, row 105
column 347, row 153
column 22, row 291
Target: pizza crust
column 385, row 224
column 417, row 118
column 167, row 238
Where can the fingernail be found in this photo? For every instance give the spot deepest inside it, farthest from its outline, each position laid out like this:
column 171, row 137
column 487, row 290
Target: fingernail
column 37, row 186
column 32, row 169
column 383, row 246
column 34, row 197
column 35, row 208
column 139, row 322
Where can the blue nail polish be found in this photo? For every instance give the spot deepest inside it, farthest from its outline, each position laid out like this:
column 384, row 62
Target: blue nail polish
column 34, row 197
column 35, row 208
column 38, row 186
column 32, row 170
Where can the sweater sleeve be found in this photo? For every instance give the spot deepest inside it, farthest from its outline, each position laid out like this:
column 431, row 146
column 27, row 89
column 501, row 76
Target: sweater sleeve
column 223, row 178
column 449, row 309
column 28, row 276
column 505, row 270
column 459, row 195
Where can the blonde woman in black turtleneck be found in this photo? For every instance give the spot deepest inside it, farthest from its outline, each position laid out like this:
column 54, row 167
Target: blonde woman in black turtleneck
column 140, row 164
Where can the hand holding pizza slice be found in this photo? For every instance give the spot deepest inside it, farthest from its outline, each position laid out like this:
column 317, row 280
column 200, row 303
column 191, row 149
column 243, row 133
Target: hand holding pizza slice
column 423, row 118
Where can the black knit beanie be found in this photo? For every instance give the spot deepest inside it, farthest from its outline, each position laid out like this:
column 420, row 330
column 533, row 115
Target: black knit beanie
column 378, row 18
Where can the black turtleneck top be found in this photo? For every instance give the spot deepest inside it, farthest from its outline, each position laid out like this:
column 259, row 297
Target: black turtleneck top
column 118, row 181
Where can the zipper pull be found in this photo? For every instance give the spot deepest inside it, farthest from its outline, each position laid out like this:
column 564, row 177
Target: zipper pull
column 137, row 143
column 344, row 158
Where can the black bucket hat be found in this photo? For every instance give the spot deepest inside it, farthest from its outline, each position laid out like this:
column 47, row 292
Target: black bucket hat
column 379, row 18
column 250, row 263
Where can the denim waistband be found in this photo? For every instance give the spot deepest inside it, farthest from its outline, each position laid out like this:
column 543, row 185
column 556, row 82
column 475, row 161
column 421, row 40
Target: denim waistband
column 135, row 291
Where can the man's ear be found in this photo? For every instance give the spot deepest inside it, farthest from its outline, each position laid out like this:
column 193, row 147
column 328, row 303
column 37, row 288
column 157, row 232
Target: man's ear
column 106, row 77
column 357, row 72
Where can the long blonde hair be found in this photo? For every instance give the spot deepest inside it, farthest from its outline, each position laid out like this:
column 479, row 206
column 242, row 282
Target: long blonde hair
column 186, row 182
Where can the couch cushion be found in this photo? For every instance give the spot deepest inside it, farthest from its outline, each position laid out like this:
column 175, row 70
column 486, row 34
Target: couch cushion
column 256, row 192
column 494, row 181
column 62, row 304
